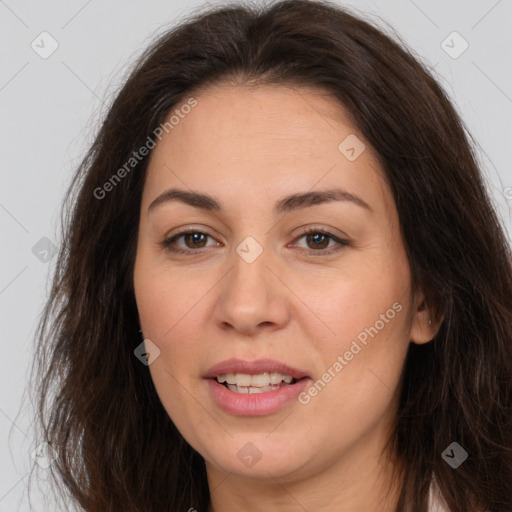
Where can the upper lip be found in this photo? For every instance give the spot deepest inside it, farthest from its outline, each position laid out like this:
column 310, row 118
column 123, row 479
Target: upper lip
column 253, row 368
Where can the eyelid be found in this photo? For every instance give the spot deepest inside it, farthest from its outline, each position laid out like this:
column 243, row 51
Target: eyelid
column 333, row 233
column 340, row 242
column 188, row 229
column 169, row 239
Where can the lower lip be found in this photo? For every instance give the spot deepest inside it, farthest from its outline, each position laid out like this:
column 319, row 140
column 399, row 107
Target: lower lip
column 256, row 404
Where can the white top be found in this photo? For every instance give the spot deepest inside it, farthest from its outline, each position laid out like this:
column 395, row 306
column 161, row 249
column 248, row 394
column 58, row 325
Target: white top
column 436, row 502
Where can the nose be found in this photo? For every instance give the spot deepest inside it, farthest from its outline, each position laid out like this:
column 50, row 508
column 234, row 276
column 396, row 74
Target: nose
column 252, row 298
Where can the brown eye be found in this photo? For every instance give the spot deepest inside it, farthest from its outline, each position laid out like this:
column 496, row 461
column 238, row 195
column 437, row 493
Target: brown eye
column 193, row 241
column 196, row 240
column 317, row 241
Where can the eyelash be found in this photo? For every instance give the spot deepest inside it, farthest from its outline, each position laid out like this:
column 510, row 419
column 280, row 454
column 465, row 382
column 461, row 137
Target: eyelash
column 166, row 244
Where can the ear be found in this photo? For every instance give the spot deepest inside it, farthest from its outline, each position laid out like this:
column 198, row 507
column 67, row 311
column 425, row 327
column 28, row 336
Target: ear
column 425, row 321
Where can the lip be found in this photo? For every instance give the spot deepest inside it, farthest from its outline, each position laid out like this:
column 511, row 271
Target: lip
column 256, row 404
column 253, row 368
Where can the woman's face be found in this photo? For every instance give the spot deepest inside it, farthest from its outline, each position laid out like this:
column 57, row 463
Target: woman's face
column 332, row 309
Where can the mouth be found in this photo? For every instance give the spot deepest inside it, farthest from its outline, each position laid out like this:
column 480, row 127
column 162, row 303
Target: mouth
column 251, row 377
column 254, row 388
column 248, row 384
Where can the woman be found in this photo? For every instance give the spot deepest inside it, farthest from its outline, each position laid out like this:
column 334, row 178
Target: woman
column 282, row 285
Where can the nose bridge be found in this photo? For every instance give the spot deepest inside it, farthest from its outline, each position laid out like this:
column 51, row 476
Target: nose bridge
column 250, row 257
column 250, row 294
column 249, row 277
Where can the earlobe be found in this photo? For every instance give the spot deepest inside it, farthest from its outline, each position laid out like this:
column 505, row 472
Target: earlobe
column 424, row 326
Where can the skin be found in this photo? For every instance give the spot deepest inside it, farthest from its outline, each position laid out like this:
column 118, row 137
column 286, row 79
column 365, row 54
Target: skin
column 250, row 147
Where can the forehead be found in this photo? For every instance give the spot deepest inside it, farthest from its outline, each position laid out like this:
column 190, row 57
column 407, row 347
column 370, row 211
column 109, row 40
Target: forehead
column 263, row 141
column 264, row 118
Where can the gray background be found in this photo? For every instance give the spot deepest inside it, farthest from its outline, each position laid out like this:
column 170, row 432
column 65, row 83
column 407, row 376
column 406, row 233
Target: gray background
column 50, row 108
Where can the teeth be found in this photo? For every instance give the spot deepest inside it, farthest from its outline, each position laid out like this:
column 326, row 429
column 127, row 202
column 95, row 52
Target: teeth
column 242, row 379
column 252, row 390
column 270, row 380
column 275, row 378
column 260, row 380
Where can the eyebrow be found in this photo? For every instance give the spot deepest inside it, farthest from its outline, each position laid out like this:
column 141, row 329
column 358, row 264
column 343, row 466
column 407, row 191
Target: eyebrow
column 286, row 204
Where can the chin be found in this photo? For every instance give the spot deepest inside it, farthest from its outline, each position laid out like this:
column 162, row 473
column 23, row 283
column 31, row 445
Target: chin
column 258, row 456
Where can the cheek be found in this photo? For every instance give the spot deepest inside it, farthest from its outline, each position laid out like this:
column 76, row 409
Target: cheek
column 166, row 315
column 158, row 304
column 358, row 386
column 163, row 296
column 357, row 298
column 171, row 309
column 367, row 313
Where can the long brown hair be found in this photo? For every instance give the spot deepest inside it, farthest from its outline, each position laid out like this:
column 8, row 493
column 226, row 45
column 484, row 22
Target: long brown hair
column 117, row 449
